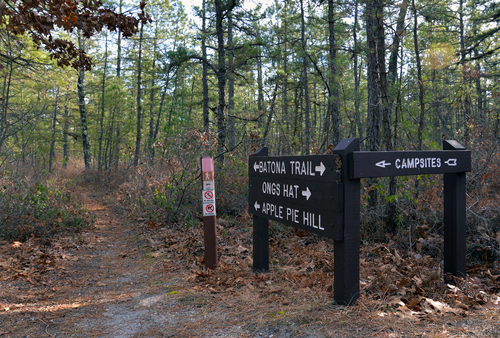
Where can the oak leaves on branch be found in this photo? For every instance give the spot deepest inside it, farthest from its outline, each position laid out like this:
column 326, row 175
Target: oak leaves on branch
column 41, row 18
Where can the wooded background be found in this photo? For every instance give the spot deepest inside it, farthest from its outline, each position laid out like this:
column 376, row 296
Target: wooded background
column 118, row 84
column 297, row 76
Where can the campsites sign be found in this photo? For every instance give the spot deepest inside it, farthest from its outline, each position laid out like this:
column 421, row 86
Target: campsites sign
column 321, row 194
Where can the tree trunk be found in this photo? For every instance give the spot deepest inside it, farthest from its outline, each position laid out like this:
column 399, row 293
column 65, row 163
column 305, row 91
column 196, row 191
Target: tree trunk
column 357, row 98
column 87, row 159
column 230, row 109
column 305, row 82
column 270, row 116
column 101, row 121
column 286, row 115
column 66, row 137
column 139, row 103
column 463, row 55
column 53, row 138
column 119, row 106
column 221, row 79
column 333, row 97
column 6, row 95
column 419, row 78
column 206, row 120
column 152, row 138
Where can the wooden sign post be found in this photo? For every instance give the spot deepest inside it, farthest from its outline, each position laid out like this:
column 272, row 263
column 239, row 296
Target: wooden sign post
column 321, row 194
column 209, row 213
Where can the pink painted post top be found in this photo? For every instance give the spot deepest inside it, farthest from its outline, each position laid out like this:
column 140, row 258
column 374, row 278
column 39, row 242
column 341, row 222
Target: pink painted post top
column 206, row 164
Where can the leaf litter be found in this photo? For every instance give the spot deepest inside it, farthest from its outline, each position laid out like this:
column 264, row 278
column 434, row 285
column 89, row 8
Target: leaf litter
column 75, row 287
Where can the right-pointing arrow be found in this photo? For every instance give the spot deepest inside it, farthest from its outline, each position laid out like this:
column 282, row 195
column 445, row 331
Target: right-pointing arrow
column 321, row 168
column 306, row 193
column 256, row 205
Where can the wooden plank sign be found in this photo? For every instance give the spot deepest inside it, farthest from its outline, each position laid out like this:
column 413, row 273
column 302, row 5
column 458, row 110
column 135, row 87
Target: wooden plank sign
column 402, row 163
column 321, row 194
column 300, row 191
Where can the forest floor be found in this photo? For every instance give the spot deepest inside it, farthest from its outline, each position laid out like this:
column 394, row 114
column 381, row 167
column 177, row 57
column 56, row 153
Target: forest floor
column 132, row 278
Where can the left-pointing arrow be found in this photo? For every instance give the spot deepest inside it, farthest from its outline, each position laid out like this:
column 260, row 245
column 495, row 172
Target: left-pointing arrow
column 255, row 166
column 256, row 205
column 382, row 164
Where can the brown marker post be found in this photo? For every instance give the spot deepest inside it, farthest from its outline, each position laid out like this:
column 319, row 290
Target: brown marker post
column 209, row 213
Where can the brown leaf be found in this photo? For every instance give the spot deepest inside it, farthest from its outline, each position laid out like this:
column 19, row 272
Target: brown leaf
column 241, row 249
column 436, row 305
column 6, row 264
column 490, row 304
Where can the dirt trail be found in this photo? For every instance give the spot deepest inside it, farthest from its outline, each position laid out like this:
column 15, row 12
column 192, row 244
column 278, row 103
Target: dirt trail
column 100, row 287
column 109, row 282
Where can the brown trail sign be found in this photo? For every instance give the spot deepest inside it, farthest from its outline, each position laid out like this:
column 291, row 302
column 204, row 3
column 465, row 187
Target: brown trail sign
column 312, row 192
column 300, row 191
column 209, row 213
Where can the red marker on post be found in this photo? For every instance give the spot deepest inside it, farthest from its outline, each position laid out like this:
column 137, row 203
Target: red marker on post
column 208, row 199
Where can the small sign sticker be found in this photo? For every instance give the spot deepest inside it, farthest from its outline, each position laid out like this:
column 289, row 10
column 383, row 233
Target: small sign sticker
column 208, row 176
column 208, row 209
column 208, row 185
column 208, row 196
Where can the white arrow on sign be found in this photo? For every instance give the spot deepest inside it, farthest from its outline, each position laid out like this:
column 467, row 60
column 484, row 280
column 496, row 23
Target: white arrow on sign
column 256, row 205
column 382, row 164
column 452, row 162
column 306, row 193
column 255, row 166
column 321, row 168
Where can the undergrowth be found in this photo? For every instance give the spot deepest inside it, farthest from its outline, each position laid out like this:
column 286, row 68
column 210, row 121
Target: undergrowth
column 37, row 205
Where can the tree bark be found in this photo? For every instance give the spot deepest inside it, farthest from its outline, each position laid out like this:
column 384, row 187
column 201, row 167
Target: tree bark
column 152, row 137
column 139, row 103
column 357, row 98
column 206, row 120
column 305, row 83
column 87, row 159
column 230, row 109
column 6, row 95
column 221, row 80
column 419, row 78
column 119, row 107
column 333, row 96
column 101, row 120
column 66, row 137
column 53, row 138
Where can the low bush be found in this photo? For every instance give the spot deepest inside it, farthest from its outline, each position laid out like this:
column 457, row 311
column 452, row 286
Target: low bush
column 37, row 206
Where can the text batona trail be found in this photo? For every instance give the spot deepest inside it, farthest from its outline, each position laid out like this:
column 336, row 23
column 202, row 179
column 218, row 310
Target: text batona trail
column 308, row 219
column 301, row 168
column 414, row 163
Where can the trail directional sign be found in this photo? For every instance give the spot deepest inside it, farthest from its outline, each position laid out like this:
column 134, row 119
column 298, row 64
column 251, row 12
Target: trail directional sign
column 402, row 163
column 300, row 191
column 319, row 168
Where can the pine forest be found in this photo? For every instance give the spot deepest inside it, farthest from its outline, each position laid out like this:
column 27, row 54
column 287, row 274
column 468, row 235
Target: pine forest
column 127, row 96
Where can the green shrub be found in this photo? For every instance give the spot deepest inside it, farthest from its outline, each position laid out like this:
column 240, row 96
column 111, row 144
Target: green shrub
column 39, row 209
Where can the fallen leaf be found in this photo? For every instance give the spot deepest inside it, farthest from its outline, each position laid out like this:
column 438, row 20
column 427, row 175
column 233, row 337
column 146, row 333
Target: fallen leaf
column 17, row 244
column 461, row 305
column 6, row 264
column 438, row 306
column 490, row 304
column 241, row 249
